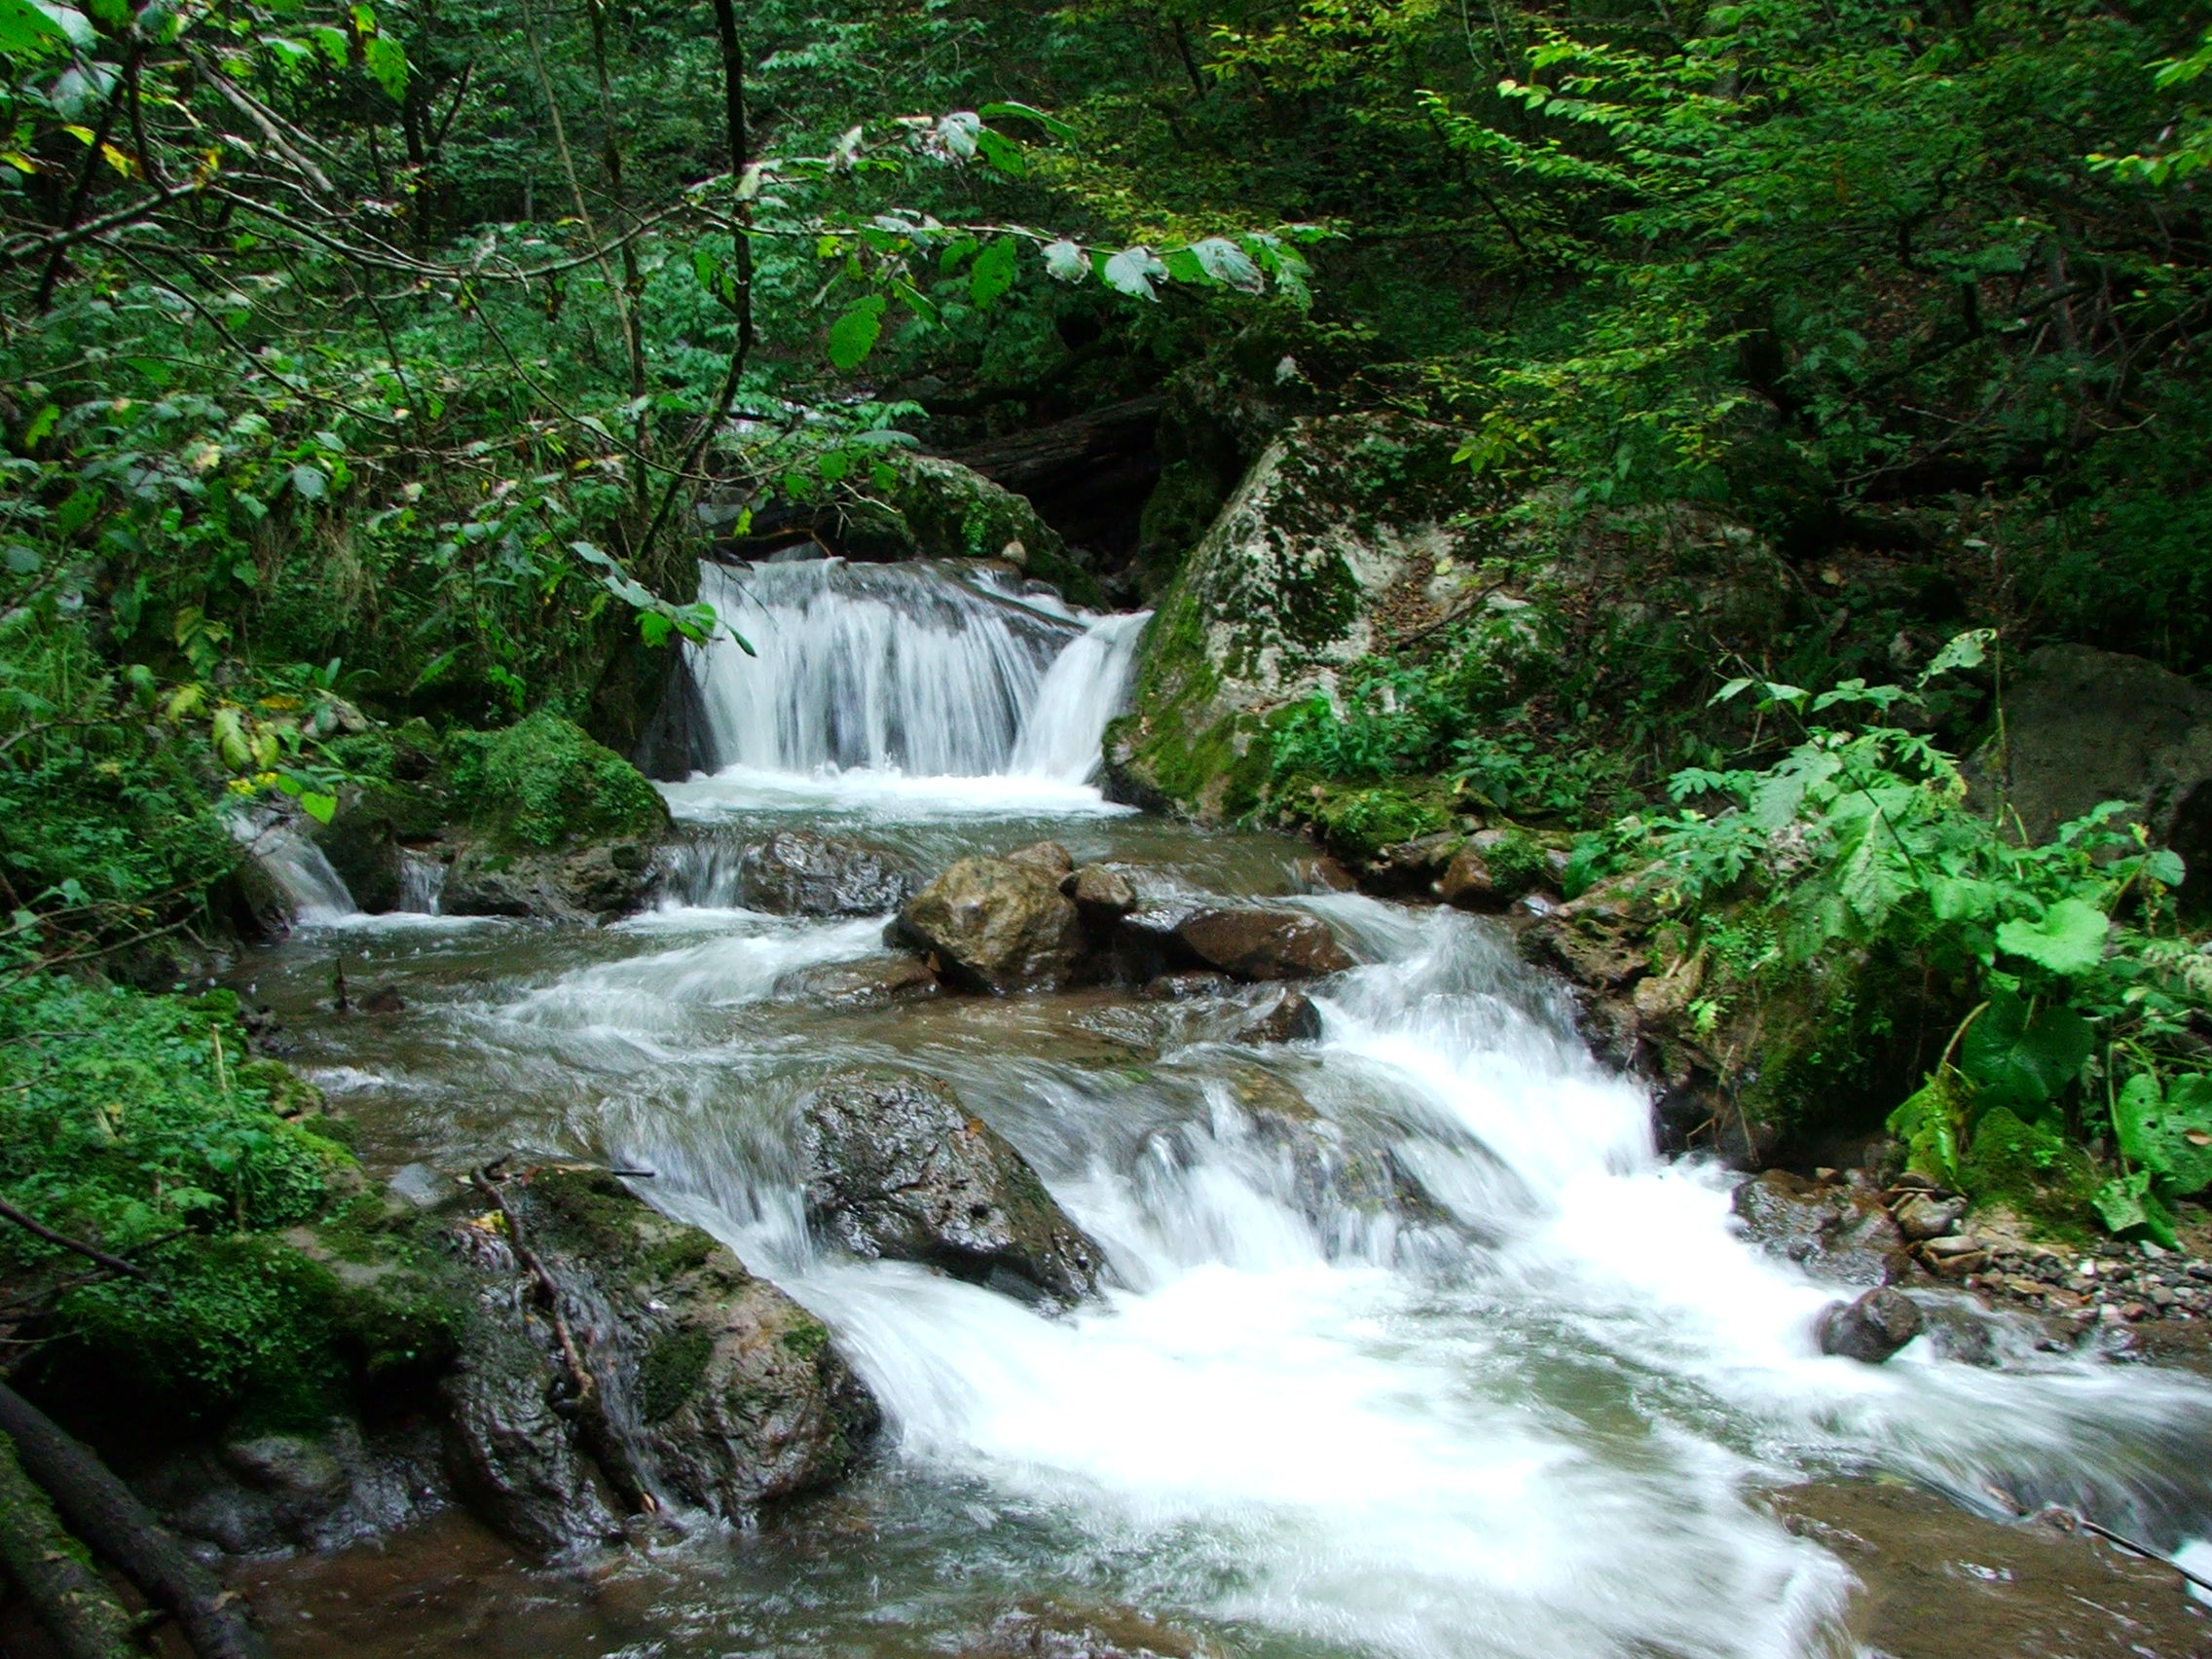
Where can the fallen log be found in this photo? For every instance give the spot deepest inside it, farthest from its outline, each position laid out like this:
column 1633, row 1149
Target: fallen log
column 77, row 1608
column 104, row 1512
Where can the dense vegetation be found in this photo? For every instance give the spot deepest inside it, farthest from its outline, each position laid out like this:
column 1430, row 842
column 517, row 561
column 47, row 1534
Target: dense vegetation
column 361, row 366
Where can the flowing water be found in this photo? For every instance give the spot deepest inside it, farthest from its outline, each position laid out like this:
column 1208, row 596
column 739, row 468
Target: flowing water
column 1527, row 1417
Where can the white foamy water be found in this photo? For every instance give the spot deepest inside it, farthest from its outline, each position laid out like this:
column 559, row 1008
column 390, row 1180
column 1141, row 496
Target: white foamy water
column 314, row 894
column 901, row 690
column 1529, row 1441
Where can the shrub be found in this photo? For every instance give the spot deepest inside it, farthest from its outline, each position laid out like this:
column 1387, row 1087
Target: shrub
column 542, row 783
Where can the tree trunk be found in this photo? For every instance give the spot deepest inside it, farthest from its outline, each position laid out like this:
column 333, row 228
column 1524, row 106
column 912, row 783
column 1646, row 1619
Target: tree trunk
column 103, row 1511
column 77, row 1610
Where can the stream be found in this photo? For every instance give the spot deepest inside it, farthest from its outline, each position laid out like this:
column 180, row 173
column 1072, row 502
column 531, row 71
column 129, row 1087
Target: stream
column 1531, row 1417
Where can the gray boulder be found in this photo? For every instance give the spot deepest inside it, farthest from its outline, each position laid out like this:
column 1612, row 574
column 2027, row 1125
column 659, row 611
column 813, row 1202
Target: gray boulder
column 896, row 1167
column 799, row 872
column 1871, row 1329
column 994, row 924
column 1832, row 1232
column 594, row 883
column 702, row 1386
column 2082, row 726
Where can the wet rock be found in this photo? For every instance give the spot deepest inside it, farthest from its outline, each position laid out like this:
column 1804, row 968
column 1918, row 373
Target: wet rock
column 869, row 984
column 1924, row 1215
column 1292, row 1019
column 1954, row 1255
column 598, row 883
column 1101, row 893
column 1059, row 1633
column 1832, row 1233
column 1409, row 866
column 1184, row 987
column 382, row 999
column 1468, row 884
column 993, row 925
column 261, row 1493
column 1049, row 857
column 896, row 1167
column 708, row 1389
column 799, row 872
column 1871, row 1329
column 1264, row 945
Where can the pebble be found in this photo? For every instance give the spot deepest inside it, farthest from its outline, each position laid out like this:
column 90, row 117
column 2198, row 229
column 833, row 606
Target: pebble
column 2116, row 1283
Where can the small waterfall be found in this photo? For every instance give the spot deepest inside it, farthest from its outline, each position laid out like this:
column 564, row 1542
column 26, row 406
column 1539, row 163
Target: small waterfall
column 1081, row 692
column 875, row 666
column 314, row 894
column 905, row 669
column 422, row 882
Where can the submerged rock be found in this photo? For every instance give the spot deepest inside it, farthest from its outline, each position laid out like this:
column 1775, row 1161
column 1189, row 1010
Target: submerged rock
column 896, row 1167
column 1264, row 945
column 702, row 1386
column 1831, row 1232
column 1871, row 1329
column 259, row 1492
column 800, row 873
column 994, row 924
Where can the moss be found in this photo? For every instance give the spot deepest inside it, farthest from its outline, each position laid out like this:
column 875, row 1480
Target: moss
column 681, row 1251
column 672, row 1370
column 2031, row 1170
column 403, row 1324
column 586, row 1210
column 1517, row 863
column 542, row 783
column 805, row 1337
column 1361, row 823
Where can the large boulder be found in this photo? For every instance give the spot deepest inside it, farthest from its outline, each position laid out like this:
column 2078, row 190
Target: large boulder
column 896, row 1167
column 801, row 872
column 1264, row 945
column 646, row 1370
column 995, row 925
column 2083, row 726
column 587, row 884
column 1337, row 543
column 1832, row 1232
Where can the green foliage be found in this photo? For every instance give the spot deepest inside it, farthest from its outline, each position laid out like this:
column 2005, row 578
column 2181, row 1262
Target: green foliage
column 542, row 783
column 1364, row 822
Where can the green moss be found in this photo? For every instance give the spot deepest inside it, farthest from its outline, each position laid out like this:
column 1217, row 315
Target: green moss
column 805, row 1337
column 672, row 1370
column 2031, row 1170
column 1517, row 863
column 683, row 1250
column 586, row 1210
column 542, row 783
column 1361, row 823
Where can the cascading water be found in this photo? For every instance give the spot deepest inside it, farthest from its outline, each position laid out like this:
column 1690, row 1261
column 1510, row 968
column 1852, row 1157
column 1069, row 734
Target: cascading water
column 314, row 894
column 1416, row 1347
column 883, row 677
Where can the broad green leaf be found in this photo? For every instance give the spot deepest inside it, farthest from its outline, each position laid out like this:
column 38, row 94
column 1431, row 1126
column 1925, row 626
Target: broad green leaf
column 1929, row 1124
column 2168, row 1134
column 1227, row 263
column 1133, row 271
column 311, row 482
column 29, row 31
column 319, row 807
column 853, row 336
column 654, row 627
column 1065, row 262
column 386, row 60
column 2128, row 1204
column 993, row 274
column 2068, row 939
column 2020, row 1062
column 1052, row 123
column 1002, row 153
column 1964, row 651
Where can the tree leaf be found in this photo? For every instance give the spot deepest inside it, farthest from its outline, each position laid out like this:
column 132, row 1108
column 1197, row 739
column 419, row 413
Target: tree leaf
column 2020, row 1062
column 311, row 481
column 1052, row 123
column 319, row 807
column 2068, row 939
column 2168, row 1133
column 993, row 272
column 853, row 336
column 2128, row 1204
column 1002, row 153
column 386, row 60
column 1065, row 262
column 1930, row 1122
column 1133, row 271
column 1227, row 263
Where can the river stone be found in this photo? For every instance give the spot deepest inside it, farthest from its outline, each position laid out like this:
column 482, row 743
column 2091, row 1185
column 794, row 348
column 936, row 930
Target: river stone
column 321, row 1490
column 1871, row 1329
column 1924, row 1215
column 1049, row 857
column 710, row 1389
column 1101, row 893
column 993, row 925
column 1833, row 1233
column 1292, row 1019
column 595, row 883
column 1184, row 987
column 799, row 872
column 1409, row 866
column 1264, row 945
column 896, row 1167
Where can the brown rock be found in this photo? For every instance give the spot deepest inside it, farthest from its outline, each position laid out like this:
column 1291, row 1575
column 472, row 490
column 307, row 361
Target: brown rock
column 993, row 925
column 1183, row 987
column 1047, row 856
column 1924, row 1215
column 1292, row 1020
column 1871, row 1329
column 1467, row 883
column 1102, row 893
column 1264, row 945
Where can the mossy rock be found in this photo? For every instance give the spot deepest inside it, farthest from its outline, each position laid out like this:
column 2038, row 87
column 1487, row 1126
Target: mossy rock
column 1360, row 824
column 543, row 783
column 2032, row 1170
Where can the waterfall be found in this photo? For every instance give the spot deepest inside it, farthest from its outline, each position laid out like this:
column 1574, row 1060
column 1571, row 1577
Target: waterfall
column 909, row 670
column 314, row 894
column 422, row 882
